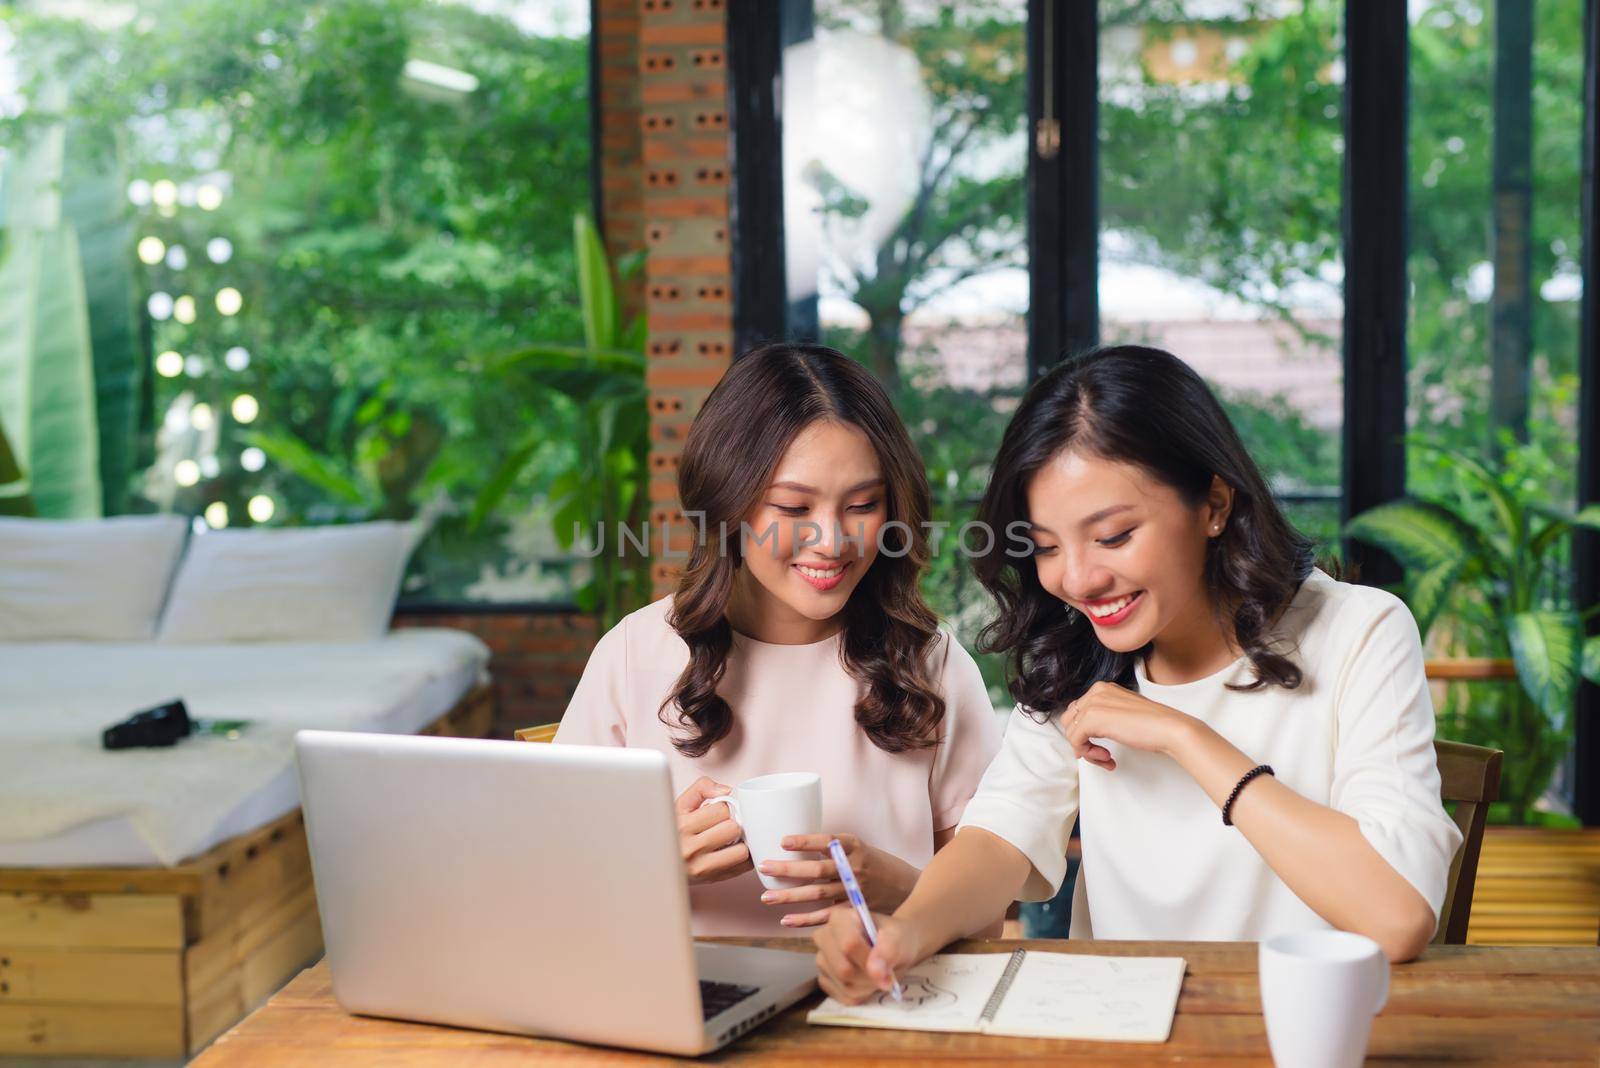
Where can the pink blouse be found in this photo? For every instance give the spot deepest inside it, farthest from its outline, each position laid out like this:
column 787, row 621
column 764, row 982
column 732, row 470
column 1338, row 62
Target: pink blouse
column 794, row 710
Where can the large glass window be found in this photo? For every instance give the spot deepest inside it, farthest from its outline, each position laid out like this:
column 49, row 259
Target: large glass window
column 1461, row 222
column 1221, row 169
column 904, row 145
column 304, row 232
column 1221, row 146
column 1496, row 132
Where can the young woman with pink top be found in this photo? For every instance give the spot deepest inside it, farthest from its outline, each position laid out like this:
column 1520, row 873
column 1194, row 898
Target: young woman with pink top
column 798, row 640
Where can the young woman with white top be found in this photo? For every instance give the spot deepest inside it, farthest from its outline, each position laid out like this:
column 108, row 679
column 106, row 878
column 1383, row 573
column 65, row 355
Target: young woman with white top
column 1248, row 741
column 798, row 640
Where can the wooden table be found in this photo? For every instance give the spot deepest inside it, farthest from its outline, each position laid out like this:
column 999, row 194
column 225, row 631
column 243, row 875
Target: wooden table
column 1488, row 1005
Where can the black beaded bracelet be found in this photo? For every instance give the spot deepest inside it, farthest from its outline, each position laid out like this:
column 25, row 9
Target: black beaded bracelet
column 1227, row 806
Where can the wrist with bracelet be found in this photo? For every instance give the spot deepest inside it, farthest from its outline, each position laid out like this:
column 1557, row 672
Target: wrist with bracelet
column 1249, row 777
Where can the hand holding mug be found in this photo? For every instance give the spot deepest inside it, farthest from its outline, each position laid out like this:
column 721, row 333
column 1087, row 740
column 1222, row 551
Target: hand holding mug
column 885, row 879
column 708, row 835
column 769, row 808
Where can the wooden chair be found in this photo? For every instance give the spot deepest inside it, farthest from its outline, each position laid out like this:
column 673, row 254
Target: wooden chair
column 1469, row 669
column 544, row 732
column 1469, row 775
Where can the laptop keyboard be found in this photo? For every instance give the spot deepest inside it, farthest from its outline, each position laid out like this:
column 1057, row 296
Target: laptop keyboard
column 716, row 997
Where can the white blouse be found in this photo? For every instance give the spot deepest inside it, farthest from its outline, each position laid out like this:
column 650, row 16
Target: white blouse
column 1357, row 735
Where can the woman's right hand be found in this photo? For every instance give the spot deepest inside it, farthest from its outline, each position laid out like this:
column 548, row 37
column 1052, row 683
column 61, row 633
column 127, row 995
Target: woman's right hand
column 851, row 970
column 709, row 836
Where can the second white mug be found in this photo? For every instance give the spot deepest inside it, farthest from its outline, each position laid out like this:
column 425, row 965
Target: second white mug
column 1319, row 993
column 768, row 809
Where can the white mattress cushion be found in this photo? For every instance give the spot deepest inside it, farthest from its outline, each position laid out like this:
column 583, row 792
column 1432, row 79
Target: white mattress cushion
column 66, row 801
column 86, row 579
column 298, row 584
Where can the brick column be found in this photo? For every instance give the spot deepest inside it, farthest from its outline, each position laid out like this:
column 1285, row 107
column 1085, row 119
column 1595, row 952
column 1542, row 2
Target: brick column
column 684, row 123
column 616, row 32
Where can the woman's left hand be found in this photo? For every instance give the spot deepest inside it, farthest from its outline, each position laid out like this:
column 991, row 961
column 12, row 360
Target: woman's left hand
column 1117, row 714
column 885, row 879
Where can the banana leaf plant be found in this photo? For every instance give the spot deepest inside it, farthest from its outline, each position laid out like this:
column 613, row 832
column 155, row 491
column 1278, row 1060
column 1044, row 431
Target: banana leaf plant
column 47, row 385
column 605, row 486
column 1507, row 571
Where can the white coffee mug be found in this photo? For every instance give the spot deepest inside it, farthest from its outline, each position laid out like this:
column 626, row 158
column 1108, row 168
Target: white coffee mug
column 1319, row 993
column 768, row 809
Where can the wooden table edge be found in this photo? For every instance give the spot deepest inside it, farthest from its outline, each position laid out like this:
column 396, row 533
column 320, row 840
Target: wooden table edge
column 1560, row 967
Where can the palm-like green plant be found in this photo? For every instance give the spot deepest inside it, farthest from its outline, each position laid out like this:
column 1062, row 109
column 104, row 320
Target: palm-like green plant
column 1508, row 569
column 605, row 486
column 47, row 367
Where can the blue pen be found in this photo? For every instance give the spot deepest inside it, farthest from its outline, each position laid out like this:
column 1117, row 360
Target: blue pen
column 853, row 889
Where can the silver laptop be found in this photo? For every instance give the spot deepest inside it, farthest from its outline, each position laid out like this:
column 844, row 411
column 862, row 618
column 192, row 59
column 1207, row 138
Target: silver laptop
column 536, row 889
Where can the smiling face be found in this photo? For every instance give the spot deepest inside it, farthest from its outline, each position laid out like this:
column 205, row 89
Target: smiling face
column 1123, row 548
column 812, row 535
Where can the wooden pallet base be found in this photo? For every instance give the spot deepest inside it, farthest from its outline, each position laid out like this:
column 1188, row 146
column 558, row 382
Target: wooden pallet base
column 1537, row 887
column 156, row 962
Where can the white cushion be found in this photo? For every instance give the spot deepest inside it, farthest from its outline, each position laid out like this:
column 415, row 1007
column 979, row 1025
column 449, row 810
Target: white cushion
column 298, row 584
column 86, row 579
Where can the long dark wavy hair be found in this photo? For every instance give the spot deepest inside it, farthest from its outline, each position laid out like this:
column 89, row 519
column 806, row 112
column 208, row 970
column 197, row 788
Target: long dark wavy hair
column 1145, row 407
column 747, row 423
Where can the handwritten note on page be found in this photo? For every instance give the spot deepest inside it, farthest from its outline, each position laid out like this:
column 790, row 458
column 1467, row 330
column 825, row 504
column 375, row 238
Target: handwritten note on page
column 943, row 993
column 1027, row 995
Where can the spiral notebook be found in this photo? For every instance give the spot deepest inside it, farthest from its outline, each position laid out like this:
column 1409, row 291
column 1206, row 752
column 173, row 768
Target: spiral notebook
column 1027, row 995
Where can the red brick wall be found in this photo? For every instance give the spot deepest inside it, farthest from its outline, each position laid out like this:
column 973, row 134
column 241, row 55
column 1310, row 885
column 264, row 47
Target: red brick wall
column 664, row 186
column 688, row 293
column 616, row 32
column 536, row 663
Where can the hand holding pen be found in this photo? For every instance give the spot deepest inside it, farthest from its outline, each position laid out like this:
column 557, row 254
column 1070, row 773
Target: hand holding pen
column 852, row 890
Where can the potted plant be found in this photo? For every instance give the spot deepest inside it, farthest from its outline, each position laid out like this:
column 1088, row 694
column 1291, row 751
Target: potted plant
column 1488, row 575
